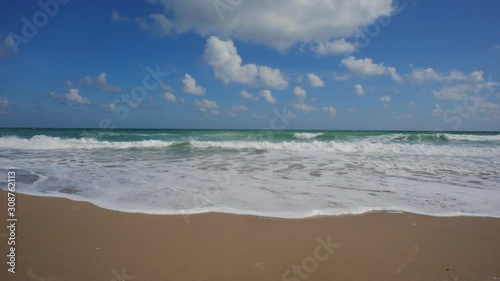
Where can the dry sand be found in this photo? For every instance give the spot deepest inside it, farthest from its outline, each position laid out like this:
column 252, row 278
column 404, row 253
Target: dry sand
column 59, row 239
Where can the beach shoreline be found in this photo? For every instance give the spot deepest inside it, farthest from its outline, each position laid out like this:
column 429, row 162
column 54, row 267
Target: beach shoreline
column 60, row 239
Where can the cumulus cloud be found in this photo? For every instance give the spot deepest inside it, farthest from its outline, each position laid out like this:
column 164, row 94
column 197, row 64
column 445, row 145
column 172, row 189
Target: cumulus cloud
column 4, row 102
column 366, row 67
column 386, row 99
column 315, row 81
column 437, row 112
column 206, row 106
column 74, row 96
column 304, row 107
column 239, row 108
column 7, row 46
column 228, row 66
column 330, row 110
column 100, row 81
column 115, row 16
column 422, row 75
column 171, row 98
column 156, row 23
column 300, row 93
column 268, row 96
column 336, row 47
column 358, row 89
column 457, row 92
column 341, row 77
column 484, row 106
column 190, row 86
column 246, row 95
column 110, row 106
column 276, row 23
column 4, row 105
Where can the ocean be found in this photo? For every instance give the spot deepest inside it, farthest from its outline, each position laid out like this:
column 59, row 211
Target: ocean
column 286, row 174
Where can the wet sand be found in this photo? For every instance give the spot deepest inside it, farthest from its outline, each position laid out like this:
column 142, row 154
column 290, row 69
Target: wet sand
column 59, row 239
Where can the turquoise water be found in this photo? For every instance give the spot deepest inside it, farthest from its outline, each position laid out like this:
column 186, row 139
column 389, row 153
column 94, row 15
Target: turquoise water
column 271, row 173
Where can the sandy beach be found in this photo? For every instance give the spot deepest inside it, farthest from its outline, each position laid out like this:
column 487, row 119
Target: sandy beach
column 59, row 239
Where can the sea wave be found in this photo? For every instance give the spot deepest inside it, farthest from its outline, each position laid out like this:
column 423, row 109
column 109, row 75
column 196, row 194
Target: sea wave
column 359, row 146
column 42, row 142
column 303, row 136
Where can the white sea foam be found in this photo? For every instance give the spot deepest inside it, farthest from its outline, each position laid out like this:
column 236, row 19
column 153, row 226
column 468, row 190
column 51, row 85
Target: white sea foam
column 459, row 137
column 364, row 146
column 304, row 136
column 41, row 142
column 288, row 179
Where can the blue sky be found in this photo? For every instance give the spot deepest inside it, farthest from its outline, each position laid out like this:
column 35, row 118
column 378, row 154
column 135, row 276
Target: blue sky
column 331, row 64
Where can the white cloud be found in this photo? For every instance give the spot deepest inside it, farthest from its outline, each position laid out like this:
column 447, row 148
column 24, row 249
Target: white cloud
column 69, row 84
column 246, row 95
column 7, row 46
column 330, row 110
column 100, row 81
column 110, row 106
column 4, row 102
column 304, row 107
column 420, row 75
column 115, row 16
column 276, row 23
column 358, row 89
column 205, row 105
column 74, row 96
column 412, row 103
column 166, row 87
column 268, row 96
column 386, row 99
column 366, row 67
column 156, row 24
column 103, row 83
column 227, row 64
column 239, row 108
column 4, row 105
column 300, row 93
column 438, row 112
column 190, row 86
column 315, row 81
column 394, row 74
column 457, row 92
column 341, row 77
column 336, row 47
column 363, row 67
column 484, row 106
column 423, row 75
column 257, row 115
column 171, row 98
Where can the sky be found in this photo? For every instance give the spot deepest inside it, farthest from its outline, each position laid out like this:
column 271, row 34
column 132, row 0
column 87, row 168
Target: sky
column 260, row 64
